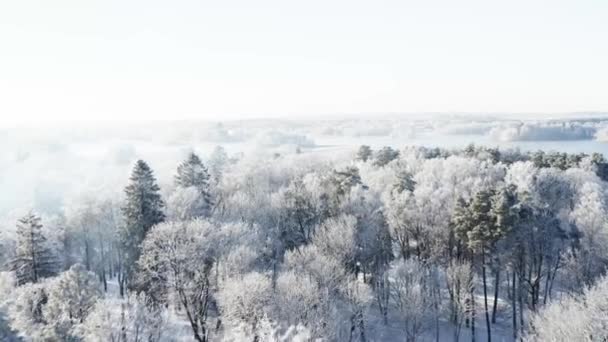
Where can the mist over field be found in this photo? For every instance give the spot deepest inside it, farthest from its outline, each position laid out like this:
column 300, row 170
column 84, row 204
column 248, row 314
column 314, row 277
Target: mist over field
column 38, row 164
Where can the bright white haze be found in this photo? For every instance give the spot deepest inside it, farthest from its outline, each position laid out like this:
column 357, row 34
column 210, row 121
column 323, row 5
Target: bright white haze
column 131, row 60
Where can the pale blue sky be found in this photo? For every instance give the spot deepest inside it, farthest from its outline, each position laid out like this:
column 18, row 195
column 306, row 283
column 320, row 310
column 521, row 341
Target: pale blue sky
column 110, row 59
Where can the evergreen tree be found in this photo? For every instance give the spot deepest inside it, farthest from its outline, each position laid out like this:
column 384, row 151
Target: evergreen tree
column 338, row 185
column 488, row 220
column 299, row 217
column 505, row 210
column 385, row 155
column 470, row 150
column 481, row 237
column 405, row 182
column 364, row 153
column 34, row 259
column 601, row 165
column 142, row 210
column 192, row 173
column 343, row 181
column 460, row 223
column 482, row 229
column 539, row 159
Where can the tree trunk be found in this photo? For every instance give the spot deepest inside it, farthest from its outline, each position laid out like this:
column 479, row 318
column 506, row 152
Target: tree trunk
column 485, row 295
column 496, row 288
column 121, row 283
column 352, row 328
column 123, row 328
column 521, row 305
column 87, row 254
column 553, row 277
column 382, row 296
column 33, row 256
column 256, row 338
column 105, row 280
column 472, row 314
column 514, row 306
column 436, row 298
column 362, row 327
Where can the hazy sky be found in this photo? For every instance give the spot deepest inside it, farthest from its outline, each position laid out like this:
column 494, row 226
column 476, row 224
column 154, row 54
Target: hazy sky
column 125, row 59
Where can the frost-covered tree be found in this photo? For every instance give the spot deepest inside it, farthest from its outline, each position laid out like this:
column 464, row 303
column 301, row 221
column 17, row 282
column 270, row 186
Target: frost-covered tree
column 186, row 204
column 590, row 217
column 7, row 288
column 397, row 217
column 342, row 300
column 410, row 297
column 107, row 240
column 582, row 318
column 268, row 331
column 479, row 230
column 327, row 271
column 237, row 248
column 373, row 245
column 218, row 162
column 356, row 296
column 7, row 247
column 298, row 215
column 34, row 260
column 71, row 296
column 459, row 277
column 90, row 235
column 405, row 182
column 245, row 301
column 460, row 222
column 82, row 220
column 143, row 209
column 63, row 240
column 125, row 320
column 505, row 213
column 54, row 310
column 336, row 238
column 326, row 312
column 407, row 222
column 180, row 256
column 364, row 153
column 342, row 181
column 193, row 173
column 384, row 156
column 26, row 312
column 298, row 301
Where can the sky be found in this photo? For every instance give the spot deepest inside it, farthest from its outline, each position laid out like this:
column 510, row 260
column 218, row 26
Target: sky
column 66, row 60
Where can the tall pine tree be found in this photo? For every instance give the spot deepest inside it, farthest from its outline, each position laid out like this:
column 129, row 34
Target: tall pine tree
column 142, row 210
column 505, row 210
column 34, row 259
column 486, row 222
column 193, row 173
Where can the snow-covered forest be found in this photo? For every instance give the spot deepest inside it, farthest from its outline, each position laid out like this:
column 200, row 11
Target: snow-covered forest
column 370, row 244
column 303, row 171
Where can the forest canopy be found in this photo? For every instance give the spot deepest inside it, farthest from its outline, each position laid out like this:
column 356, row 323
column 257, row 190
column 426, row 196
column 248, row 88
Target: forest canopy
column 375, row 244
